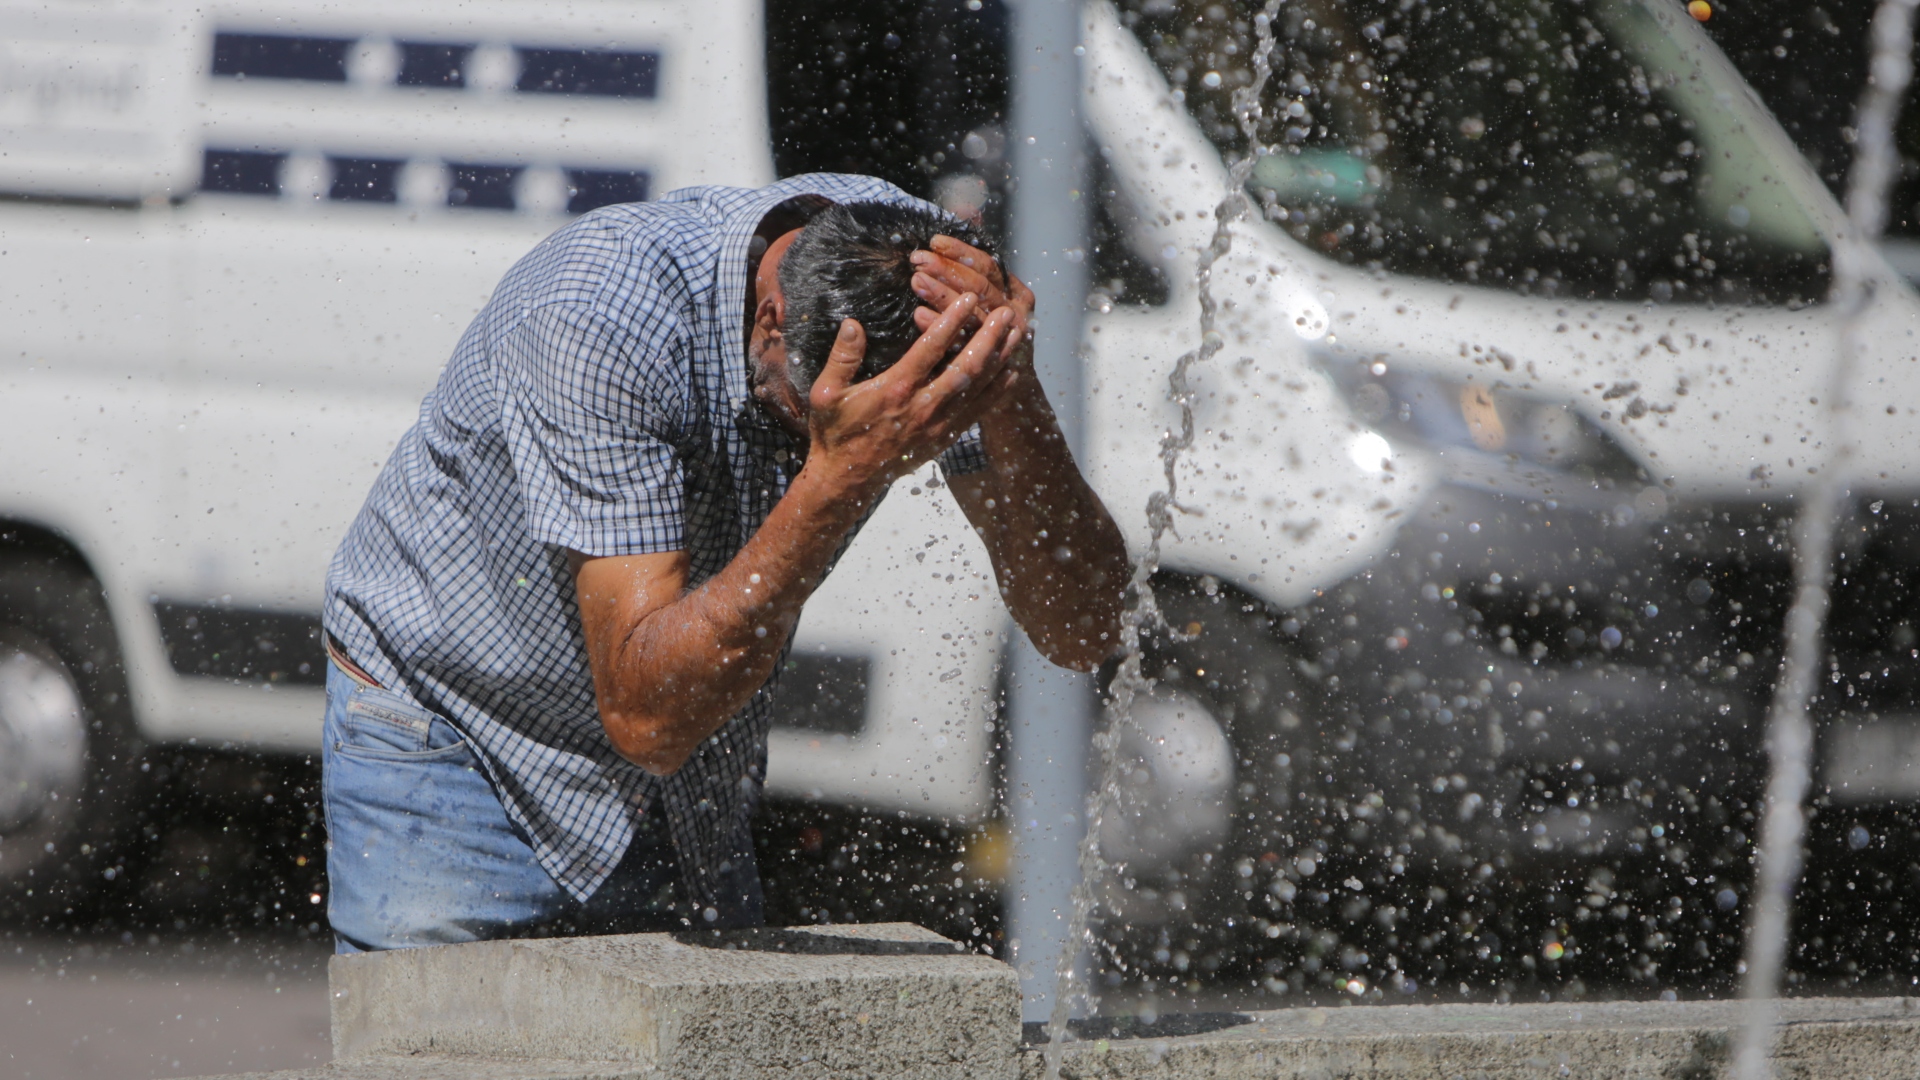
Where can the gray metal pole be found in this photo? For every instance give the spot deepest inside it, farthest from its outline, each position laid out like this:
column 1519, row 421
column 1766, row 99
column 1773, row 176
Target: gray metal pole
column 1050, row 711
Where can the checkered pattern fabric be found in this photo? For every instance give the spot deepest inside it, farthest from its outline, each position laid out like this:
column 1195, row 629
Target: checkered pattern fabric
column 598, row 403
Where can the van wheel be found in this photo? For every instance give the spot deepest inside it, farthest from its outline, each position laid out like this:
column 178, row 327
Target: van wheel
column 69, row 757
column 1228, row 665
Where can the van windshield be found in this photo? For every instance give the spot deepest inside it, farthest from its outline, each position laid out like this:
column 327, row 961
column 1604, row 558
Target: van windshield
column 1558, row 148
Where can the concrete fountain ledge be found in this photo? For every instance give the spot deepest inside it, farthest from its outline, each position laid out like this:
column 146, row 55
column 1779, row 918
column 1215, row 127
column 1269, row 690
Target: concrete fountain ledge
column 882, row 1000
column 893, row 1000
column 1841, row 1038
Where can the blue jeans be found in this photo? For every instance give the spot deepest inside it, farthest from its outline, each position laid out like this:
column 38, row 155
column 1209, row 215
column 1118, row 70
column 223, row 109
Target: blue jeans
column 420, row 851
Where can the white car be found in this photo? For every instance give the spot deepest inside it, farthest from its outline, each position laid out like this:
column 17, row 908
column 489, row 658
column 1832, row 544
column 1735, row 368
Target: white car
column 1453, row 535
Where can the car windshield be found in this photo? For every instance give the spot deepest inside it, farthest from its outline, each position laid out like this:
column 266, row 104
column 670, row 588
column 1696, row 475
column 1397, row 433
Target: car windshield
column 1561, row 149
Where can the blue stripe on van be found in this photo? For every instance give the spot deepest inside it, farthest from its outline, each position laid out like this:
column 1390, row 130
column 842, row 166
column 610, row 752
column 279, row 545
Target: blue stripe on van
column 430, row 64
column 594, row 72
column 281, row 56
column 241, row 172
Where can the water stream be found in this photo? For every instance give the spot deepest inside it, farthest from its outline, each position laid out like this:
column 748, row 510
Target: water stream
column 1143, row 616
column 1789, row 728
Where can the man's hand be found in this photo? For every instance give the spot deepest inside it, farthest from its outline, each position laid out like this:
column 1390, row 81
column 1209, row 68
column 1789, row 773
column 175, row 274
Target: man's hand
column 954, row 269
column 866, row 435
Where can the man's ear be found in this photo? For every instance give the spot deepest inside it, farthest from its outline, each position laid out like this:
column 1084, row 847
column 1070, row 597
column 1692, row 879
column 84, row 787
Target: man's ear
column 771, row 314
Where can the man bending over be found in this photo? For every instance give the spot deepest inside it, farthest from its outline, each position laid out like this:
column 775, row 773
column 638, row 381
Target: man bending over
column 556, row 623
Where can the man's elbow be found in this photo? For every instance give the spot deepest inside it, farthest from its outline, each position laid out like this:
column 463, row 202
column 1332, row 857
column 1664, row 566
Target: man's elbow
column 642, row 744
column 660, row 763
column 1077, row 655
column 1081, row 646
column 1081, row 642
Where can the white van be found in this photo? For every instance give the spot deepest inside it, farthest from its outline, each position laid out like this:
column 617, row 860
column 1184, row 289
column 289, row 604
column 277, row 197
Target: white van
column 243, row 241
column 1463, row 543
column 1521, row 371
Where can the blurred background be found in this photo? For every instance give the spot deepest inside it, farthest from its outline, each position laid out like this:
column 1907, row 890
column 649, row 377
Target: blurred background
column 162, row 846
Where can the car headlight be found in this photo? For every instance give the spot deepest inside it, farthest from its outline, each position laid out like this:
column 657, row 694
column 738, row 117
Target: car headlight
column 1477, row 425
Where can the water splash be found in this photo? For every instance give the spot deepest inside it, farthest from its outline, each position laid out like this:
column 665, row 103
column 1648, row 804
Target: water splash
column 1144, row 616
column 1789, row 729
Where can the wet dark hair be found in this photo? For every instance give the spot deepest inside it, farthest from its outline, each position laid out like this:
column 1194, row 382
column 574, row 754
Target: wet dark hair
column 851, row 262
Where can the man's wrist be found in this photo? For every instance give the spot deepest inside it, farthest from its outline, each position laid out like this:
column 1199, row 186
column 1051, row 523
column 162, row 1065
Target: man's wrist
column 835, row 494
column 1019, row 420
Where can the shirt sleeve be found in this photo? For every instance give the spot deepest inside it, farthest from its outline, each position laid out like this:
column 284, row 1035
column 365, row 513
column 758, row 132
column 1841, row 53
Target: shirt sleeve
column 589, row 413
column 965, row 456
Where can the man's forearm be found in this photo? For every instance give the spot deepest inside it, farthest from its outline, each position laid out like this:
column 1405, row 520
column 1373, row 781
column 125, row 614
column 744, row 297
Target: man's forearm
column 1059, row 557
column 670, row 678
column 1060, row 560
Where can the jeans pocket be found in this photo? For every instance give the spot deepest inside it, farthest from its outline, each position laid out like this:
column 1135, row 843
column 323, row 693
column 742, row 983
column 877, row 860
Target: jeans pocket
column 383, row 725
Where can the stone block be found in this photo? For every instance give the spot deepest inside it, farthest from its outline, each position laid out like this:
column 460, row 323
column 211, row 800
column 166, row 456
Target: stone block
column 1820, row 1039
column 884, row 1000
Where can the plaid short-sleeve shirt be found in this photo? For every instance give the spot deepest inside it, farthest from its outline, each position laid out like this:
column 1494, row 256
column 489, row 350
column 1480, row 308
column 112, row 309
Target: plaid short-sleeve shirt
column 599, row 403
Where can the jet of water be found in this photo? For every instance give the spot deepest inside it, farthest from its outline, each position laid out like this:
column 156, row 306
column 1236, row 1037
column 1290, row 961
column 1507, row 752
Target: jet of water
column 1789, row 729
column 1144, row 616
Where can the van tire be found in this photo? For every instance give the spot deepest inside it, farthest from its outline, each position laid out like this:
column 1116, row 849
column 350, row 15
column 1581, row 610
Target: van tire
column 1252, row 685
column 62, row 682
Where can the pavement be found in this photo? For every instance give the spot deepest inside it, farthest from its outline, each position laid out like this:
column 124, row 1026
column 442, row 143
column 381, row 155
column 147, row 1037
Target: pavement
column 145, row 1007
